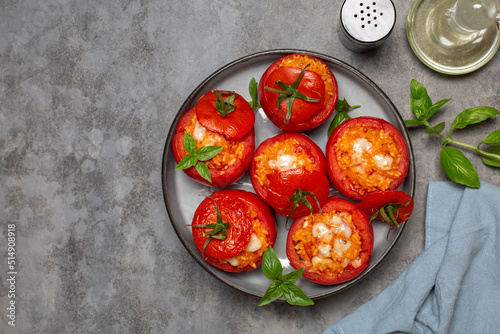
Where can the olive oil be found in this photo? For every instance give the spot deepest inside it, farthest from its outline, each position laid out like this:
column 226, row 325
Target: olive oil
column 451, row 36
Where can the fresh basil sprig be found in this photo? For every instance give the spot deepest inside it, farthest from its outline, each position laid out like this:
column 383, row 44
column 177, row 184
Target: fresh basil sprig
column 282, row 285
column 194, row 157
column 342, row 108
column 252, row 89
column 454, row 163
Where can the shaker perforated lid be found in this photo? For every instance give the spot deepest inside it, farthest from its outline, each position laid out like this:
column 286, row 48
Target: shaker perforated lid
column 367, row 23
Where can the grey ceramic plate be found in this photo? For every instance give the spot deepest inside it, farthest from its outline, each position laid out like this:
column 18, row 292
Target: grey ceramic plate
column 181, row 194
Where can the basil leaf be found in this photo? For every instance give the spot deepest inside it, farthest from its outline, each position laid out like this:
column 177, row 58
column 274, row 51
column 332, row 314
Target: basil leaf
column 473, row 115
column 491, row 156
column 435, row 107
column 186, row 162
column 271, row 265
column 296, row 296
column 413, row 122
column 337, row 120
column 293, row 276
column 493, row 138
column 207, row 152
column 202, row 169
column 420, row 100
column 436, row 129
column 273, row 292
column 458, row 168
column 189, row 143
column 252, row 89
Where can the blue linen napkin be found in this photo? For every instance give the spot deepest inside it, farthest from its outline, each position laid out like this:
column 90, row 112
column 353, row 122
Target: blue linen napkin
column 454, row 284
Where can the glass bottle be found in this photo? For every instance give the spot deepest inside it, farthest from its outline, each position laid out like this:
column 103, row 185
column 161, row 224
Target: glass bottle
column 454, row 37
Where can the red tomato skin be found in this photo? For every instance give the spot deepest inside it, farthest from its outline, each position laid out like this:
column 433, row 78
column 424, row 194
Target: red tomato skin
column 278, row 118
column 232, row 126
column 248, row 200
column 335, row 174
column 219, row 179
column 311, row 85
column 284, row 184
column 374, row 201
column 362, row 223
column 310, row 147
column 235, row 213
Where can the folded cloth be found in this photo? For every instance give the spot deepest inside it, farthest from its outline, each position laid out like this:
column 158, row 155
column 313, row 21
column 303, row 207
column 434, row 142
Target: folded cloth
column 453, row 286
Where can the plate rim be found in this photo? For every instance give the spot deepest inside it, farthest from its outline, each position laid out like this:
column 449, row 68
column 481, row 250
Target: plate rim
column 282, row 52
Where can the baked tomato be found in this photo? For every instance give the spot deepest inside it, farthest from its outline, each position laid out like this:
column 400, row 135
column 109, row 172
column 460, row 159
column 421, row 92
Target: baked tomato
column 392, row 206
column 235, row 154
column 333, row 246
column 288, row 172
column 232, row 229
column 298, row 92
column 225, row 113
column 366, row 155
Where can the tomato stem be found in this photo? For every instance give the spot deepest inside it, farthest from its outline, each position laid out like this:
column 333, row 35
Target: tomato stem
column 298, row 198
column 290, row 93
column 218, row 229
column 224, row 106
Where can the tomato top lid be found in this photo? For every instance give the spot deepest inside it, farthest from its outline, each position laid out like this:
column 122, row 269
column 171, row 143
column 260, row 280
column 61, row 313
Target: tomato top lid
column 226, row 113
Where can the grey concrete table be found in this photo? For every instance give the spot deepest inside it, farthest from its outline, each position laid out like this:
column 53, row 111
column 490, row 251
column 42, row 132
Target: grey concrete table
column 88, row 92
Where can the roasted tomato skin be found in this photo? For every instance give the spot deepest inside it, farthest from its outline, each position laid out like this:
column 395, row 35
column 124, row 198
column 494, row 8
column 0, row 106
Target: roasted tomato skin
column 220, row 178
column 374, row 201
column 234, row 205
column 362, row 223
column 335, row 173
column 284, row 185
column 314, row 114
column 306, row 144
column 232, row 126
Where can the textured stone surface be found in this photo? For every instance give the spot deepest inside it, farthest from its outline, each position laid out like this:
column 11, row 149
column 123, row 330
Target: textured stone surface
column 88, row 92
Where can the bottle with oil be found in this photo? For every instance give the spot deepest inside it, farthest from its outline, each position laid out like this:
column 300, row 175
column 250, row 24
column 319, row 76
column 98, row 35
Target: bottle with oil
column 454, row 37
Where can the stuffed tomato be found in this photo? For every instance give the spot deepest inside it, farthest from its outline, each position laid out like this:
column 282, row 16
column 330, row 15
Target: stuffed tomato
column 220, row 120
column 333, row 246
column 232, row 229
column 298, row 92
column 366, row 155
column 288, row 172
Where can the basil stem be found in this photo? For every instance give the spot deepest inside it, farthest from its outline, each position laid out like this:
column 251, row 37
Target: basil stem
column 453, row 162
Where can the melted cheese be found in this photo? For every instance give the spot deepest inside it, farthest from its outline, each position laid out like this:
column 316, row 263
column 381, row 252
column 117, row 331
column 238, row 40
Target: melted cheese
column 283, row 162
column 199, row 131
column 339, row 226
column 341, row 246
column 254, row 244
column 280, row 156
column 384, row 162
column 329, row 244
column 368, row 157
column 233, row 261
column 322, row 232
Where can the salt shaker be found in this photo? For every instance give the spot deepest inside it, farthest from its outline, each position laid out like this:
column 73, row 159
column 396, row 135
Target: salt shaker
column 365, row 25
